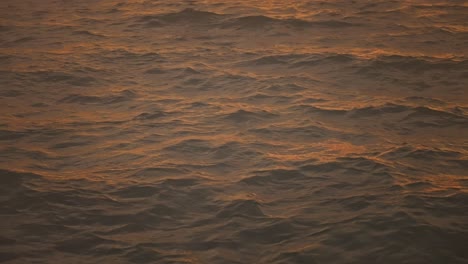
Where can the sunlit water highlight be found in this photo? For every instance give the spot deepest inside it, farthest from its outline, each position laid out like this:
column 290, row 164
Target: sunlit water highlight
column 233, row 131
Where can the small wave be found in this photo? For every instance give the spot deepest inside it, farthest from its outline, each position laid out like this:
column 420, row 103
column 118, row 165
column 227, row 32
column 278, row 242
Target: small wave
column 88, row 244
column 362, row 164
column 159, row 172
column 14, row 179
column 246, row 116
column 191, row 146
column 448, row 161
column 412, row 64
column 290, row 88
column 428, row 117
column 267, row 60
column 124, row 55
column 150, row 116
column 11, row 135
column 296, row 133
column 271, row 232
column 260, row 21
column 301, row 60
column 241, row 208
column 5, row 28
column 187, row 15
column 278, row 177
column 23, row 40
column 142, row 254
column 319, row 110
column 271, row 60
column 10, row 93
column 421, row 153
column 155, row 71
column 427, row 100
column 418, row 115
column 180, row 182
column 70, row 144
column 378, row 110
column 60, row 77
column 249, row 22
column 323, row 60
column 87, row 33
column 136, row 191
column 268, row 99
column 419, row 112
column 122, row 96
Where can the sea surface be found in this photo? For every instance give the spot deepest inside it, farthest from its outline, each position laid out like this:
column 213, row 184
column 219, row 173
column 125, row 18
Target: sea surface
column 206, row 131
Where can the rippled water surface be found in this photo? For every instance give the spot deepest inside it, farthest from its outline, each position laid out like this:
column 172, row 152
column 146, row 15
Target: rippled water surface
column 207, row 131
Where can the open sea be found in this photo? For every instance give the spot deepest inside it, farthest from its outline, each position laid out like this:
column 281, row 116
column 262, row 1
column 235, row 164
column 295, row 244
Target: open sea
column 232, row 132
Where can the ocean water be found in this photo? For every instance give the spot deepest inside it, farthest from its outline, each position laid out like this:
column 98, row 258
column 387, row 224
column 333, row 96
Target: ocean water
column 206, row 131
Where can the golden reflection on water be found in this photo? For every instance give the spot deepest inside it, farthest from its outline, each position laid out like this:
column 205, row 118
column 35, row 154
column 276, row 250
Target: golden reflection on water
column 211, row 131
column 322, row 151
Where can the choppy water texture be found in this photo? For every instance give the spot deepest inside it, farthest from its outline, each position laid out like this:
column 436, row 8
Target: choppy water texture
column 233, row 131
